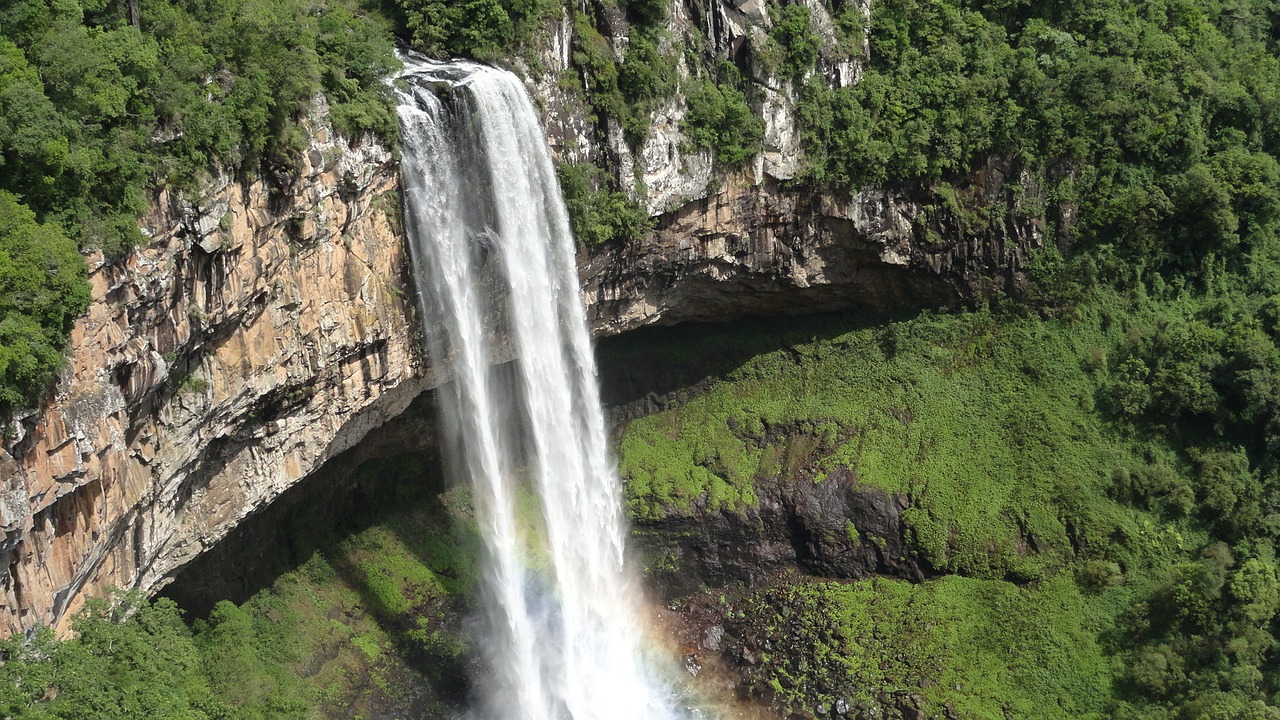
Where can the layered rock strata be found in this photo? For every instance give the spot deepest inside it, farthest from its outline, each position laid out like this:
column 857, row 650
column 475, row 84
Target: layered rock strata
column 259, row 334
column 760, row 249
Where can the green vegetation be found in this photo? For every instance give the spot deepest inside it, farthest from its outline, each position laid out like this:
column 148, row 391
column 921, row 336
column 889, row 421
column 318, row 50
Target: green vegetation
column 97, row 106
column 1093, row 474
column 988, row 426
column 1109, row 448
column 1155, row 120
column 128, row 660
column 599, row 215
column 719, row 117
column 42, row 291
column 793, row 36
column 628, row 91
column 988, row 650
column 368, row 625
column 483, row 29
column 1112, row 458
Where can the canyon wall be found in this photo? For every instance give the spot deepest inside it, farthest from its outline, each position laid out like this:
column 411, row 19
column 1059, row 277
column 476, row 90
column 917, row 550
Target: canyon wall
column 264, row 331
column 758, row 240
column 257, row 335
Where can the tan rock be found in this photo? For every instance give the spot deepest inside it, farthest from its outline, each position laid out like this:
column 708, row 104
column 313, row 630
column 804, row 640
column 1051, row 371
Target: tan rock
column 152, row 447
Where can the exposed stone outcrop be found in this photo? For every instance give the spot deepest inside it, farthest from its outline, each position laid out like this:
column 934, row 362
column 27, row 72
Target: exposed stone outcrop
column 836, row 528
column 764, row 250
column 258, row 335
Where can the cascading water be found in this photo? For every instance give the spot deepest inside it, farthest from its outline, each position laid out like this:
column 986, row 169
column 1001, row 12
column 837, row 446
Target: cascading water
column 494, row 258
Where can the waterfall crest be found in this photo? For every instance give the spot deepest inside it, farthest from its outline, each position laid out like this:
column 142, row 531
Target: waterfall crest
column 494, row 260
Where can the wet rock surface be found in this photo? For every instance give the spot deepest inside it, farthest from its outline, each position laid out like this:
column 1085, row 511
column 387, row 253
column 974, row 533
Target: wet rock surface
column 835, row 528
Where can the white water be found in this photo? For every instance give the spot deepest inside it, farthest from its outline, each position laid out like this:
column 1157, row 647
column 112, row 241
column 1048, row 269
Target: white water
column 494, row 259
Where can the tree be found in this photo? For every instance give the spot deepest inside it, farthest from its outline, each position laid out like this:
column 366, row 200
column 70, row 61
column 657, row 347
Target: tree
column 43, row 289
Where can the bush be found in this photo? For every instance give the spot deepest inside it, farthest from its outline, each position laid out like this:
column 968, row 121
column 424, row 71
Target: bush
column 599, row 215
column 796, row 42
column 594, row 57
column 129, row 659
column 43, row 288
column 482, row 29
column 94, row 111
column 719, row 118
column 647, row 73
column 1100, row 575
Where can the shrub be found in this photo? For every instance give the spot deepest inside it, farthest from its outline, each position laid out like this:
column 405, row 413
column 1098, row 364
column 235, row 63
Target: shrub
column 1100, row 574
column 43, row 288
column 797, row 44
column 483, row 29
column 719, row 118
column 599, row 215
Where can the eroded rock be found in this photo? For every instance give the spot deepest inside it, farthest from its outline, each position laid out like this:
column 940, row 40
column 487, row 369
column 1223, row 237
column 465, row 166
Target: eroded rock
column 254, row 338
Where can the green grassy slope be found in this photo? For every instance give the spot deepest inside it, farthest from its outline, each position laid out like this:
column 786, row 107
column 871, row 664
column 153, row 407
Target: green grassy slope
column 1097, row 560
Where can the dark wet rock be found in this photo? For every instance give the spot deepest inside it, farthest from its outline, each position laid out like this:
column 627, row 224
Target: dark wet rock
column 836, row 528
column 713, row 638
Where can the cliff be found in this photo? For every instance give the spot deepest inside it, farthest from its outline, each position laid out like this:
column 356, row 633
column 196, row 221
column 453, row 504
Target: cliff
column 752, row 250
column 262, row 332
column 760, row 239
column 255, row 337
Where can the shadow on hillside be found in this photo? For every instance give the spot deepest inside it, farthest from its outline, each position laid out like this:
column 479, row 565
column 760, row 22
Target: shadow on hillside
column 395, row 467
column 646, row 370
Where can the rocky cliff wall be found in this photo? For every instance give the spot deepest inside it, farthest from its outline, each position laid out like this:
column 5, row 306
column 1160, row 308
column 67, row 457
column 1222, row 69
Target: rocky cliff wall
column 259, row 334
column 756, row 240
column 760, row 249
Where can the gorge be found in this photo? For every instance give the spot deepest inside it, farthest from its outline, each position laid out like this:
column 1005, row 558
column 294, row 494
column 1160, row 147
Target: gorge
column 282, row 380
column 938, row 343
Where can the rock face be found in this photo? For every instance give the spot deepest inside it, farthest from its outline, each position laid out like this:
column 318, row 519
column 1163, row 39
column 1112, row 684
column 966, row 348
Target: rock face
column 258, row 335
column 836, row 528
column 762, row 250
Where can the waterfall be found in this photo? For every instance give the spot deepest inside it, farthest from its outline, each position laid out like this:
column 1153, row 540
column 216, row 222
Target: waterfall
column 494, row 261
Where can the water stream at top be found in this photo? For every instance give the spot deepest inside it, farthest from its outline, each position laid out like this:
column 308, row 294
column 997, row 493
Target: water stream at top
column 494, row 259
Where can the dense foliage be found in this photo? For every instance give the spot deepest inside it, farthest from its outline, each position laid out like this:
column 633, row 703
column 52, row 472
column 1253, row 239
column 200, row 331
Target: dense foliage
column 1156, row 119
column 95, row 108
column 145, row 667
column 42, row 290
column 599, row 215
column 101, row 101
column 1035, row 468
column 719, row 118
column 484, row 29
